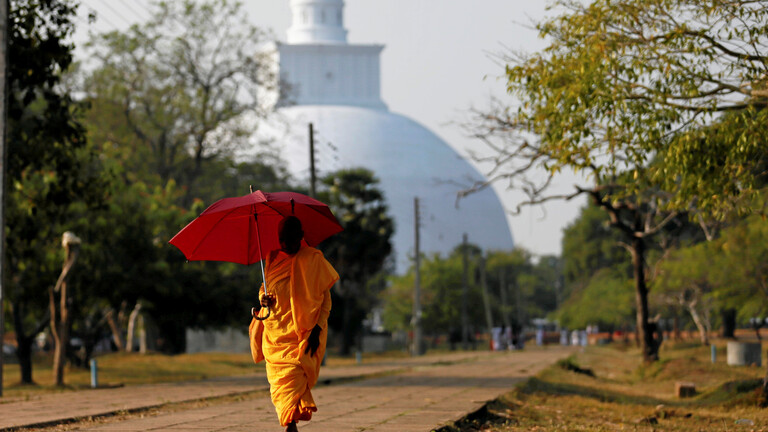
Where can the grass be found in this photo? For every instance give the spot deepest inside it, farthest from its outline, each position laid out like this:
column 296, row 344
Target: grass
column 118, row 369
column 128, row 369
column 625, row 394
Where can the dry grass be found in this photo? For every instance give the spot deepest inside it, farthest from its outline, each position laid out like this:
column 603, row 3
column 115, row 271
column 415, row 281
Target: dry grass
column 132, row 369
column 128, row 369
column 626, row 395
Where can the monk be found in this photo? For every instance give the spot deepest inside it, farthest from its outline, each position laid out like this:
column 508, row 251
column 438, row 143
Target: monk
column 292, row 340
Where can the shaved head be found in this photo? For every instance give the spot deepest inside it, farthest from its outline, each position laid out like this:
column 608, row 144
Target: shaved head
column 290, row 233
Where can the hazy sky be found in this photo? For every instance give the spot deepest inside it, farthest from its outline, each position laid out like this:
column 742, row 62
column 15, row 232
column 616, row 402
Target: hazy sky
column 438, row 61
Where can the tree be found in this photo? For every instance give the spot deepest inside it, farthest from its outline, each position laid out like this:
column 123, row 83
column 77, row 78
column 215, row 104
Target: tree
column 168, row 95
column 685, row 281
column 61, row 318
column 512, row 273
column 442, row 295
column 167, row 102
column 360, row 252
column 740, row 272
column 589, row 245
column 50, row 169
column 606, row 300
column 518, row 291
column 626, row 93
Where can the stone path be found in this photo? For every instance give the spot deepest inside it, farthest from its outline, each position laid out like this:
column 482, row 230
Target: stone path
column 418, row 394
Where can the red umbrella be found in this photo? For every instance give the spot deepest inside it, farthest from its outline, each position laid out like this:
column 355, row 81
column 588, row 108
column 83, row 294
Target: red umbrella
column 244, row 229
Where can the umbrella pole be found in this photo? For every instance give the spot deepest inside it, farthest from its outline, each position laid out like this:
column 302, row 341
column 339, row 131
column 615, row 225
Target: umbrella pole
column 261, row 262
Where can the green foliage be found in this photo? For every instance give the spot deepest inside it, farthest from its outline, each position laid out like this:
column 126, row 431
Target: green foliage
column 519, row 290
column 170, row 101
column 742, row 274
column 624, row 80
column 661, row 103
column 606, row 300
column 53, row 176
column 169, row 96
column 441, row 296
column 360, row 252
column 590, row 244
column 729, row 272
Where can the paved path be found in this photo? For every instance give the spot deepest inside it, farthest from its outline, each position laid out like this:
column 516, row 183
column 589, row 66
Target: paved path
column 417, row 394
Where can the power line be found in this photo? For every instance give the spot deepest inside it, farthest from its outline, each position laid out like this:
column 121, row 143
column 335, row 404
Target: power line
column 339, row 158
column 122, row 17
column 127, row 5
column 100, row 16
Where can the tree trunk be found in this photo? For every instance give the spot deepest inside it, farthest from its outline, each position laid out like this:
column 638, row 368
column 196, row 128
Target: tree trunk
column 645, row 329
column 763, row 402
column 61, row 318
column 24, row 340
column 59, row 321
column 142, row 335
column 117, row 335
column 700, row 325
column 24, row 355
column 729, row 323
column 132, row 327
column 348, row 333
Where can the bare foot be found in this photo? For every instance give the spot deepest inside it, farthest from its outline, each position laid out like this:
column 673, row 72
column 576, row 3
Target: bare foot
column 291, row 427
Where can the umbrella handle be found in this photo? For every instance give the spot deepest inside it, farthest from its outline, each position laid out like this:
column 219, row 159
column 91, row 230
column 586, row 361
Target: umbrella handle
column 261, row 262
column 256, row 312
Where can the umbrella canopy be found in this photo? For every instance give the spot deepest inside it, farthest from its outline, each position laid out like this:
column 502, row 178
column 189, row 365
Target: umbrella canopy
column 244, row 229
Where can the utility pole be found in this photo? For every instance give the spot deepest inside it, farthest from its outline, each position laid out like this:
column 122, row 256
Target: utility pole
column 312, row 179
column 465, row 296
column 417, row 337
column 519, row 308
column 3, row 115
column 486, row 298
column 503, row 296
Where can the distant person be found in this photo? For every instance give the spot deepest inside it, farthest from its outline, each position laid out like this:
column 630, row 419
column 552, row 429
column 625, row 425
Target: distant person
column 292, row 340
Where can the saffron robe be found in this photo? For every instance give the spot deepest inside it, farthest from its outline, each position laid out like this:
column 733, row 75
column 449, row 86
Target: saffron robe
column 301, row 286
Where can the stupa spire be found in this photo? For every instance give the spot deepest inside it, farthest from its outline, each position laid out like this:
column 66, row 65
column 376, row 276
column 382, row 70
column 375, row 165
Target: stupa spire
column 317, row 22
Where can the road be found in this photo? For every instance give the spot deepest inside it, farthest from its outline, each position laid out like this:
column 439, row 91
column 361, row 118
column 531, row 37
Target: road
column 411, row 395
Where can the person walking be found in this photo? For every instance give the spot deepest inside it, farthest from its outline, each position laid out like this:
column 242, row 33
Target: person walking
column 292, row 340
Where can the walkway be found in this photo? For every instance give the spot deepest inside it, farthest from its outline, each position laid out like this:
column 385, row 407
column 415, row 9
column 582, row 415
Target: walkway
column 415, row 394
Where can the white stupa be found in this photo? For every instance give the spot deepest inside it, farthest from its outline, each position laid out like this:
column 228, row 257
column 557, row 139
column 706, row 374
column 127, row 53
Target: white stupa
column 335, row 86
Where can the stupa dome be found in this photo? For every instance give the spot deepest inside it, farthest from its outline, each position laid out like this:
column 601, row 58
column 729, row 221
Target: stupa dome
column 335, row 86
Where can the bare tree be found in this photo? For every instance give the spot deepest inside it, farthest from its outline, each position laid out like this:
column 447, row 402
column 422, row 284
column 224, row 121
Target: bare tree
column 61, row 308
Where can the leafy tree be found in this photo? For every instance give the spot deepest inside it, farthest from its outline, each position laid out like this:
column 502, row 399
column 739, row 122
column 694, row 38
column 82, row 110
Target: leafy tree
column 519, row 290
column 590, row 244
column 50, row 169
column 360, row 252
column 606, row 300
column 548, row 276
column 169, row 95
column 626, row 92
column 740, row 272
column 442, row 296
column 685, row 281
column 507, row 271
column 168, row 103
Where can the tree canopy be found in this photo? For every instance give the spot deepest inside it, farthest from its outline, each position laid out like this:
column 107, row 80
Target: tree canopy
column 624, row 81
column 518, row 290
column 361, row 252
column 660, row 103
column 169, row 94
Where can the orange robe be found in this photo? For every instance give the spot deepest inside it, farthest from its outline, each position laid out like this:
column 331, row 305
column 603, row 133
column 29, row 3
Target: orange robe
column 301, row 285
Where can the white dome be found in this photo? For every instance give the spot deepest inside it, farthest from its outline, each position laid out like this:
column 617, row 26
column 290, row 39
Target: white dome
column 410, row 161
